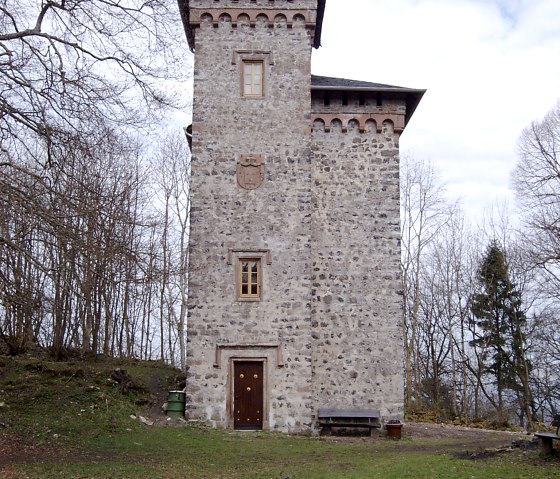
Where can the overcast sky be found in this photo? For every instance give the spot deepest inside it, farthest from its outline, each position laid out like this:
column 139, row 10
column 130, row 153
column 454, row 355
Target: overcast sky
column 490, row 68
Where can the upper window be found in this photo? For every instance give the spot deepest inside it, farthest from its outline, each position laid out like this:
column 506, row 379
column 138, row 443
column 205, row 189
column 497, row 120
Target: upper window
column 253, row 78
column 249, row 272
column 249, row 280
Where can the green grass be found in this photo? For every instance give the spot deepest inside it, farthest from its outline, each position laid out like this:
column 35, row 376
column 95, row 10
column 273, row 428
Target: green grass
column 75, row 423
column 198, row 453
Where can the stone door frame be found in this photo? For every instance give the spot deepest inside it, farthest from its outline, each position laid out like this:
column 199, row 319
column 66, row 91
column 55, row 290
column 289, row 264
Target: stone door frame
column 230, row 399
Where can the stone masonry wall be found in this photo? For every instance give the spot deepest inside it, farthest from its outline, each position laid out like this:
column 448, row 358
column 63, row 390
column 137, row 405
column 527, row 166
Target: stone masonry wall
column 356, row 306
column 274, row 219
column 325, row 223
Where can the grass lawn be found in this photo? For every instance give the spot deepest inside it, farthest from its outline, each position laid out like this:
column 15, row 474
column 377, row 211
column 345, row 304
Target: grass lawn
column 187, row 452
column 71, row 421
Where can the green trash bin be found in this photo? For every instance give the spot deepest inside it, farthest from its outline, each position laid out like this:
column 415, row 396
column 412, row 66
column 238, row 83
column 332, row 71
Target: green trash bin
column 176, row 404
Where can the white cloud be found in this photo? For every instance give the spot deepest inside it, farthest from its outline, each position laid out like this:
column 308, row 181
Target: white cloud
column 490, row 67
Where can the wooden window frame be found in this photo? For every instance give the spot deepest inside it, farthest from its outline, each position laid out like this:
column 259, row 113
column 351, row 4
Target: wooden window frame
column 236, row 256
column 243, row 57
column 256, row 90
column 250, row 282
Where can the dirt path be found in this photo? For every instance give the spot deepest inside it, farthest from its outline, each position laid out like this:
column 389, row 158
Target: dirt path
column 459, row 437
column 423, row 437
column 431, row 430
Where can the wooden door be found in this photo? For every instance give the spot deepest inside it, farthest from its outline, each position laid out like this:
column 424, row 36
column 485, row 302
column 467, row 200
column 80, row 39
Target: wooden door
column 248, row 395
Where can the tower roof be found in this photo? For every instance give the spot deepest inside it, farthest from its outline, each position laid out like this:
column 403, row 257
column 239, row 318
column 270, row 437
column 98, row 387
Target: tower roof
column 412, row 96
column 184, row 9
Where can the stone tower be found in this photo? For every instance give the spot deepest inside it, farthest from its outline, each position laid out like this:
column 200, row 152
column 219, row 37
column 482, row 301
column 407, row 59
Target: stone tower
column 294, row 279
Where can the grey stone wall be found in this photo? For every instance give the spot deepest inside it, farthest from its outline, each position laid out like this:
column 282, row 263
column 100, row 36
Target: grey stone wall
column 356, row 306
column 275, row 217
column 325, row 222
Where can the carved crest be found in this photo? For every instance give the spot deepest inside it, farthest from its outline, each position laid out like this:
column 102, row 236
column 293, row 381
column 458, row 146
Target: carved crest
column 250, row 171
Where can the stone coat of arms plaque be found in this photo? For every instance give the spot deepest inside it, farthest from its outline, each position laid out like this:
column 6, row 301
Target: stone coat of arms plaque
column 250, row 171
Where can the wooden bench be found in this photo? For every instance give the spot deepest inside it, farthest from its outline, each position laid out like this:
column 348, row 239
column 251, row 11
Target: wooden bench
column 547, row 438
column 350, row 418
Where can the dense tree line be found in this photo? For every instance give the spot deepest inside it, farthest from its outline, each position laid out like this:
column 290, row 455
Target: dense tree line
column 92, row 227
column 96, row 263
column 481, row 301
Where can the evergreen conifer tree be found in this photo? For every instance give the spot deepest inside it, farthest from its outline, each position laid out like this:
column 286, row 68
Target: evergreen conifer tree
column 500, row 324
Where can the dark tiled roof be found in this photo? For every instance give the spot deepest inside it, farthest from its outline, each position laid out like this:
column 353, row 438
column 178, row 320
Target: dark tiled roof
column 184, row 10
column 319, row 82
column 411, row 96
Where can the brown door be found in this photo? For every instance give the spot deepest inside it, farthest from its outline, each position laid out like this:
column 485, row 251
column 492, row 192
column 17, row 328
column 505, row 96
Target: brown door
column 248, row 395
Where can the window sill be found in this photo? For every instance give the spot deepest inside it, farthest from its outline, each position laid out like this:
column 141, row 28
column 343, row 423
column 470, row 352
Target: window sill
column 248, row 300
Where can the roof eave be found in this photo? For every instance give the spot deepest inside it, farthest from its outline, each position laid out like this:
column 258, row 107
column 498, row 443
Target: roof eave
column 184, row 11
column 319, row 22
column 367, row 88
column 412, row 102
column 412, row 95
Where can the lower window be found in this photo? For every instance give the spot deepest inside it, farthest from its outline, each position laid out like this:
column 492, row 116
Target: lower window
column 249, row 278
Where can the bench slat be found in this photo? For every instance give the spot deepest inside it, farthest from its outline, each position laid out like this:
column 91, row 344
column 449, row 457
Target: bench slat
column 354, row 420
column 341, row 413
column 548, row 435
column 350, row 424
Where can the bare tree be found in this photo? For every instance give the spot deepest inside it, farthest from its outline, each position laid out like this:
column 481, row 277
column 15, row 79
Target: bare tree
column 67, row 66
column 172, row 172
column 536, row 181
column 450, row 273
column 72, row 257
column 77, row 77
column 424, row 212
column 70, row 70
